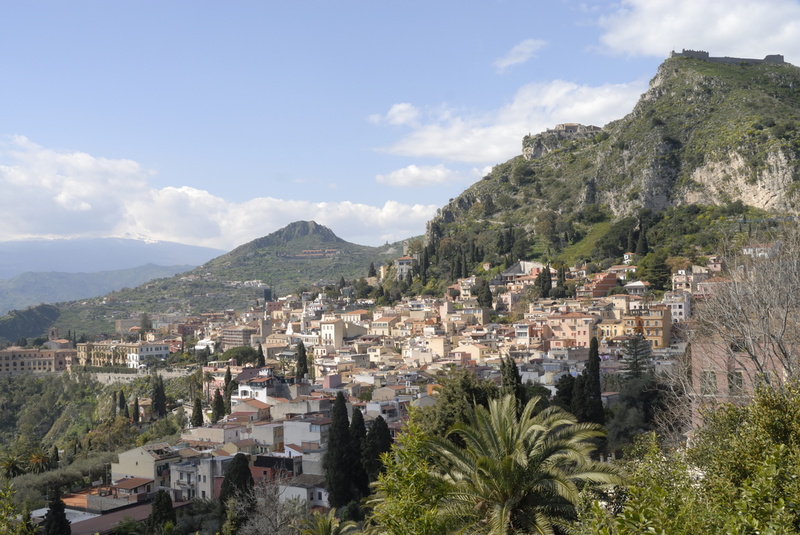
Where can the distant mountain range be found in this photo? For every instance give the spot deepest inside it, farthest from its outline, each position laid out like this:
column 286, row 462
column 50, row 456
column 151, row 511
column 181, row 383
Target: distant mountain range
column 30, row 289
column 91, row 255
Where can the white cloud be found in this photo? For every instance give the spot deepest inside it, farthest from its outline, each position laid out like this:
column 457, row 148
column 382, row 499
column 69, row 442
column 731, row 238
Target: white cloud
column 67, row 194
column 739, row 28
column 415, row 176
column 496, row 136
column 521, row 53
column 399, row 114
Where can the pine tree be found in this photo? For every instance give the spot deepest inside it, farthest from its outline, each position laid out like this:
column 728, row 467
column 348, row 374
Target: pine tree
column 302, row 361
column 197, row 413
column 136, row 409
column 338, row 474
column 55, row 520
column 636, row 357
column 217, row 407
column 378, row 441
column 592, row 388
column 260, row 360
column 358, row 439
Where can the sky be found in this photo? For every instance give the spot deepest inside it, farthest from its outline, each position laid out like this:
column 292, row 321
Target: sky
column 216, row 123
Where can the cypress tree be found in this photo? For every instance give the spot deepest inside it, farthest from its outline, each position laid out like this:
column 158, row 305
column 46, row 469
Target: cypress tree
column 260, row 360
column 511, row 381
column 113, row 413
column 379, row 440
column 217, row 407
column 228, row 377
column 338, row 475
column 372, row 272
column 578, row 407
column 54, row 459
column 136, row 409
column 641, row 244
column 302, row 361
column 159, row 398
column 593, row 390
column 358, row 439
column 229, row 389
column 238, row 479
column 161, row 512
column 122, row 401
column 197, row 413
column 55, row 520
column 484, row 294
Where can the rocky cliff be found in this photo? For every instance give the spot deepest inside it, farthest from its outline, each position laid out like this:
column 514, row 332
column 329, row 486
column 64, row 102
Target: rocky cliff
column 704, row 132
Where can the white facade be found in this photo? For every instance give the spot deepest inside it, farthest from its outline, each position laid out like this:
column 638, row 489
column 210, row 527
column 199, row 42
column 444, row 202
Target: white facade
column 137, row 354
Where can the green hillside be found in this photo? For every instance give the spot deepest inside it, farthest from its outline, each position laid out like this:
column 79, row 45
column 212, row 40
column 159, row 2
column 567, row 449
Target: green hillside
column 705, row 134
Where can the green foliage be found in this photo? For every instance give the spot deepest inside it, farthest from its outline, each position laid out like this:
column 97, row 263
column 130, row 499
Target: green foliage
column 242, row 355
column 407, row 495
column 162, row 511
column 10, row 524
column 458, row 393
column 740, row 476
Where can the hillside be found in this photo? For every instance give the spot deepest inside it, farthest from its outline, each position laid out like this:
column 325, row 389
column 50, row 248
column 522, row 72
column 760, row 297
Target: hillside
column 704, row 133
column 301, row 254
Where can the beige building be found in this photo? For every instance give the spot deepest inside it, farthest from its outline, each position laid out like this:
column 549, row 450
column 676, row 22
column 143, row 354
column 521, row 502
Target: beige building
column 150, row 462
column 18, row 361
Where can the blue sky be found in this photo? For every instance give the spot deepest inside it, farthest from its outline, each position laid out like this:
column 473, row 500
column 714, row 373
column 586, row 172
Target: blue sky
column 215, row 123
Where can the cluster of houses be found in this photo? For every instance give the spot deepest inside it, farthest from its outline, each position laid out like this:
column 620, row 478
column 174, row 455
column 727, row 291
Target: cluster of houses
column 385, row 359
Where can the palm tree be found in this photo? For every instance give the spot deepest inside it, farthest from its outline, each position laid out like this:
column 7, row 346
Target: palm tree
column 319, row 524
column 38, row 462
column 12, row 466
column 517, row 474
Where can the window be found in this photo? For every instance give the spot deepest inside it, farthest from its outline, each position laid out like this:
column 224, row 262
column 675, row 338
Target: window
column 708, row 383
column 735, row 383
